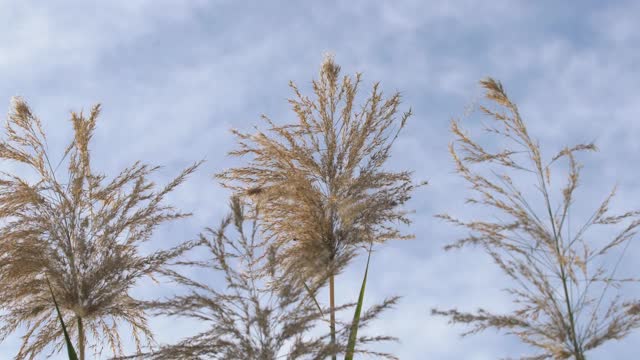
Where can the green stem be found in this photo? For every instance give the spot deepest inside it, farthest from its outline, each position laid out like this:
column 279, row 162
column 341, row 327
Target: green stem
column 563, row 276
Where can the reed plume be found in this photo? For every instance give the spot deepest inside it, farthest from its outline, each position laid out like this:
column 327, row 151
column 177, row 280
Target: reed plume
column 82, row 232
column 320, row 182
column 563, row 277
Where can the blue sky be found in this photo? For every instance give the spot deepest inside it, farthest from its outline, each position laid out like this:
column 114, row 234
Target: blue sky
column 175, row 76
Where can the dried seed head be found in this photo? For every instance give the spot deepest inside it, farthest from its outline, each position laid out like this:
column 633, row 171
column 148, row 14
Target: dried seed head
column 82, row 231
column 562, row 281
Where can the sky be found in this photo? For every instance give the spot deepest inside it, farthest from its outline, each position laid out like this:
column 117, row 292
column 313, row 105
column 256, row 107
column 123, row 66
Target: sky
column 174, row 77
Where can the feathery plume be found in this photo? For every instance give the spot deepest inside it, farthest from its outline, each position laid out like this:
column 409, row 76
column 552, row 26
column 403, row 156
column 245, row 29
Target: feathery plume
column 82, row 232
column 562, row 279
column 321, row 180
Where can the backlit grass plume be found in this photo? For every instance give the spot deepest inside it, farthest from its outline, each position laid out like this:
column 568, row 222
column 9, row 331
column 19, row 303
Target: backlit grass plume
column 258, row 315
column 564, row 276
column 320, row 182
column 82, row 232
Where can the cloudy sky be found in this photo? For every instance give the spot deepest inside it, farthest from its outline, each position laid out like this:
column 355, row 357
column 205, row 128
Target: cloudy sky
column 175, row 76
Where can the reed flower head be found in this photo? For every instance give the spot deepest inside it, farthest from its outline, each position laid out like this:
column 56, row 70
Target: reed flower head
column 321, row 180
column 79, row 230
column 562, row 276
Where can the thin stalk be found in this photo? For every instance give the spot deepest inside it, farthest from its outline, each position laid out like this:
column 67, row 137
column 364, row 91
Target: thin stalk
column 314, row 299
column 332, row 319
column 563, row 276
column 80, row 338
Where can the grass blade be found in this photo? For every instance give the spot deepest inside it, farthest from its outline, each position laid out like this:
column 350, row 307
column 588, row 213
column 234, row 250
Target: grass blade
column 353, row 334
column 70, row 350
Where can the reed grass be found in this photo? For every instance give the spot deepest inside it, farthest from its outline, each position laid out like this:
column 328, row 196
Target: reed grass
column 82, row 233
column 563, row 281
column 312, row 195
column 260, row 314
column 320, row 181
